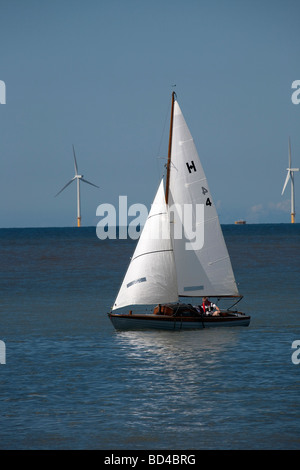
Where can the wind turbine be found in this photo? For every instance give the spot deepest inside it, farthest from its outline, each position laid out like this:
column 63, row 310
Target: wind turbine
column 289, row 175
column 78, row 178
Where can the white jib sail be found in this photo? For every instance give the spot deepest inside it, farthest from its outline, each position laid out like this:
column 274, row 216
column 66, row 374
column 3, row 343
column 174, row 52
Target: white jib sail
column 151, row 275
column 203, row 264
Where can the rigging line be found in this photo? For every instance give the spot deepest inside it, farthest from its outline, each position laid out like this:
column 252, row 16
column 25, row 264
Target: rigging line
column 151, row 252
column 239, row 299
column 212, row 219
column 217, row 260
column 196, row 181
column 159, row 213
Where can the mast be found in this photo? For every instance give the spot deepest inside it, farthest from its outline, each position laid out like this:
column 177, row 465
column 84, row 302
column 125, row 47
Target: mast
column 289, row 175
column 292, row 199
column 170, row 148
column 292, row 186
column 78, row 204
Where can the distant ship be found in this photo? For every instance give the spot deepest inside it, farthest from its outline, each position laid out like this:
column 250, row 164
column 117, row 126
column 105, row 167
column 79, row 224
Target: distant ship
column 240, row 222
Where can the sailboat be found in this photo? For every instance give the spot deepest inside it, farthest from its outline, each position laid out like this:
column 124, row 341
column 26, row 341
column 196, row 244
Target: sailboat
column 181, row 252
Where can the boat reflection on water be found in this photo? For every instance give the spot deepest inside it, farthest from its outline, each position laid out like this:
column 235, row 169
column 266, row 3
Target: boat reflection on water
column 173, row 380
column 177, row 349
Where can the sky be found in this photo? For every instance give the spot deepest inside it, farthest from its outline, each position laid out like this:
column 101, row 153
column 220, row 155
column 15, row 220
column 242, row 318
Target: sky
column 98, row 74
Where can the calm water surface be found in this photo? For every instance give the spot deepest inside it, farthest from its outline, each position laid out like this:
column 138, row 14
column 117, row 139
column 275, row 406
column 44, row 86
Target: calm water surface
column 72, row 382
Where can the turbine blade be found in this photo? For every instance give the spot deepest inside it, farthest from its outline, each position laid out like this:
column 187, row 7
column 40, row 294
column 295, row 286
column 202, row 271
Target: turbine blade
column 89, row 183
column 65, row 187
column 290, row 154
column 286, row 181
column 76, row 169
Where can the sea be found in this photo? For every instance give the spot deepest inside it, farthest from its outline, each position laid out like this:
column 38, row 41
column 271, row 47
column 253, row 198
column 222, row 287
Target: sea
column 70, row 381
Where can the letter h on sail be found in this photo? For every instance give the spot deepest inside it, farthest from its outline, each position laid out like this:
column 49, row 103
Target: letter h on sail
column 191, row 166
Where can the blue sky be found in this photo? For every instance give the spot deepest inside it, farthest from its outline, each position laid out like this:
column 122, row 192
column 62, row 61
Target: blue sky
column 99, row 75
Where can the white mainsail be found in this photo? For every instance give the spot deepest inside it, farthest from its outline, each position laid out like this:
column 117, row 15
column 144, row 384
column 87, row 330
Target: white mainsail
column 205, row 270
column 151, row 275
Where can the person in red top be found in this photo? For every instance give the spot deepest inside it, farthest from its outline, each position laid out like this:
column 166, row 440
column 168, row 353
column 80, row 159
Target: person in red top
column 207, row 306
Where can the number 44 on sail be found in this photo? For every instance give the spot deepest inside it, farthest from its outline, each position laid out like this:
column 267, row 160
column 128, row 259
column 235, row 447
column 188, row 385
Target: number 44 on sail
column 162, row 270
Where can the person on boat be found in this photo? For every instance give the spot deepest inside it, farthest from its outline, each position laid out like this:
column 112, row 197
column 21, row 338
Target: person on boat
column 208, row 306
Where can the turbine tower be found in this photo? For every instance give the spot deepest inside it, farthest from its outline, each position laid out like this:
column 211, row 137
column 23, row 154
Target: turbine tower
column 78, row 178
column 289, row 175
